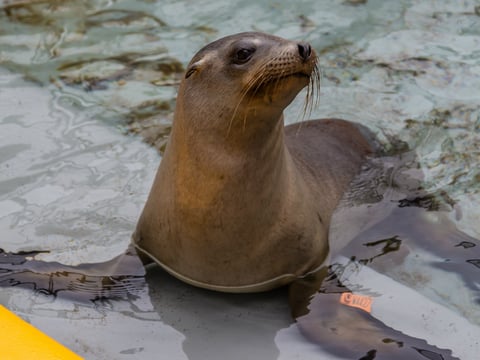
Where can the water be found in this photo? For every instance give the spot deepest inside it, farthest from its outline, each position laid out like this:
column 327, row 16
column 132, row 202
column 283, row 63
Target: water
column 81, row 84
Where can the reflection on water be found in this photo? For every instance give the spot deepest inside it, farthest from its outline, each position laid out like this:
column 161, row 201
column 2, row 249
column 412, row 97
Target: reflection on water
column 77, row 75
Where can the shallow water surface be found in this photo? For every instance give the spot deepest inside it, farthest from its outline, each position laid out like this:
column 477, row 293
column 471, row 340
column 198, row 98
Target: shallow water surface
column 85, row 86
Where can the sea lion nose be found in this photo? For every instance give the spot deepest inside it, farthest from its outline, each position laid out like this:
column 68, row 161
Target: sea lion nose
column 304, row 50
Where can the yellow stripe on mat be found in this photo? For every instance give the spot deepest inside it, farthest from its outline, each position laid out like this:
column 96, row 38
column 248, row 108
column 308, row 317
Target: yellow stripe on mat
column 21, row 341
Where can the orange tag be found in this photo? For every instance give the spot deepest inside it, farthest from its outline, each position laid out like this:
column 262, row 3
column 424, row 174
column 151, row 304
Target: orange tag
column 357, row 301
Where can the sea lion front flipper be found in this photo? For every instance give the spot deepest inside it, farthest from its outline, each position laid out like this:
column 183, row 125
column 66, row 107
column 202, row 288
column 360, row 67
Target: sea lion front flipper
column 117, row 278
column 340, row 322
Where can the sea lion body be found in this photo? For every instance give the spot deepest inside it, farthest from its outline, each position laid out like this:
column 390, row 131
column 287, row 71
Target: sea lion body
column 241, row 203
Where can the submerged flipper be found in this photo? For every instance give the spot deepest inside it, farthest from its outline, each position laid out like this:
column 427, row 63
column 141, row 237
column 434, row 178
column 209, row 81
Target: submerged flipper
column 390, row 228
column 347, row 324
column 119, row 278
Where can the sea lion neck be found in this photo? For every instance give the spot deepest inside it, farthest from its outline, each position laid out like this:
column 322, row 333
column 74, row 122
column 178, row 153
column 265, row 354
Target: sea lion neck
column 229, row 129
column 226, row 155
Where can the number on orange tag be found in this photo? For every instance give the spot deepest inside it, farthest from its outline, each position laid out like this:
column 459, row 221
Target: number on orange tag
column 357, row 301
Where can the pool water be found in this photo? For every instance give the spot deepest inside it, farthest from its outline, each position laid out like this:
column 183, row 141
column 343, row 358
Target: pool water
column 87, row 87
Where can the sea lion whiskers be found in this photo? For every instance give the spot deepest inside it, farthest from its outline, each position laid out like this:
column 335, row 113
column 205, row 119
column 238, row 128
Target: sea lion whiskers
column 270, row 72
column 312, row 97
column 283, row 70
column 313, row 88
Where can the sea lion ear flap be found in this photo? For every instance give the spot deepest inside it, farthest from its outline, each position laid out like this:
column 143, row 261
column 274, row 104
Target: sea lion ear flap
column 190, row 71
column 193, row 68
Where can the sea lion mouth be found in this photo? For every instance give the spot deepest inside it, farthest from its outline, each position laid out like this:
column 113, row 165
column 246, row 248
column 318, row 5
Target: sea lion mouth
column 273, row 83
column 300, row 75
column 277, row 79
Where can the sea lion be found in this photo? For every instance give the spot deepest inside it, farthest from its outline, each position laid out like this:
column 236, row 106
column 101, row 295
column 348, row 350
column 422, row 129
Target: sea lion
column 241, row 203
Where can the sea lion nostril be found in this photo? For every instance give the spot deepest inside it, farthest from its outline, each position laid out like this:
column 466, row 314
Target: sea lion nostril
column 304, row 50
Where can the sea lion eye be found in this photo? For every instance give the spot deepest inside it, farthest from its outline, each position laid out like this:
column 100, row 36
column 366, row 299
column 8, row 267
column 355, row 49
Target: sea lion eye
column 242, row 55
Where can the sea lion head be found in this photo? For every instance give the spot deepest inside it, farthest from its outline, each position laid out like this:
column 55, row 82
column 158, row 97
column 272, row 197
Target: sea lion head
column 243, row 76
